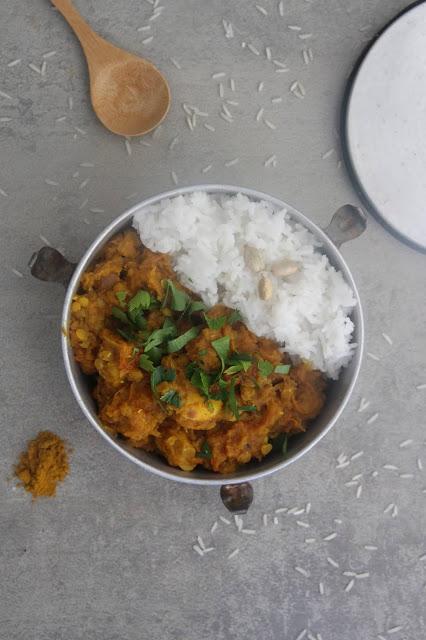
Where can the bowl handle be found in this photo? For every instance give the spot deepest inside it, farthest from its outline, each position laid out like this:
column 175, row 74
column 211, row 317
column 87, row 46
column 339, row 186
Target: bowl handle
column 49, row 265
column 237, row 498
column 347, row 224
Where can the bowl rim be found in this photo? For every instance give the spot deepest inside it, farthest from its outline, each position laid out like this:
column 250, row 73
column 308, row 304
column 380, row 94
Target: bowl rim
column 115, row 226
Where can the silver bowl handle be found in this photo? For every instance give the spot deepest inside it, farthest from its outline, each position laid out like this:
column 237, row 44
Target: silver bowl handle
column 347, row 224
column 50, row 265
column 237, row 498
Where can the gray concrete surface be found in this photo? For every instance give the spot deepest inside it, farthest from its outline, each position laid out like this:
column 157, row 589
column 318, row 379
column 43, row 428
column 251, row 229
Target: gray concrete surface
column 111, row 557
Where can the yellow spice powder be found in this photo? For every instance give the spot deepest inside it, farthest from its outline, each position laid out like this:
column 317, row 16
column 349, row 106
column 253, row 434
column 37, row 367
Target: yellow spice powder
column 43, row 464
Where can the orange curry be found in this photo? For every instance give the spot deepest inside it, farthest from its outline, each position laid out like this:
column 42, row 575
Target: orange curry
column 194, row 385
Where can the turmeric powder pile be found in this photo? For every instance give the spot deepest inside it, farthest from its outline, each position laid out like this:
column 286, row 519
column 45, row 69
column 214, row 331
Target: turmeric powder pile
column 43, row 464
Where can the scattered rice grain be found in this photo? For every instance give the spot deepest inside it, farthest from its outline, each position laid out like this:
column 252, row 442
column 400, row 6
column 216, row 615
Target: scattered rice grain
column 206, row 169
column 175, row 63
column 349, row 585
column 17, row 273
column 35, row 68
column 233, row 553
column 197, row 549
column 224, row 520
column 209, row 127
column 253, row 49
column 269, row 124
column 231, row 163
column 333, row 562
column 13, row 63
column 373, row 356
column 330, row 536
column 387, row 338
column 261, row 9
column 327, row 154
column 373, row 418
column 174, row 177
column 321, row 588
column 405, row 443
column 302, row 571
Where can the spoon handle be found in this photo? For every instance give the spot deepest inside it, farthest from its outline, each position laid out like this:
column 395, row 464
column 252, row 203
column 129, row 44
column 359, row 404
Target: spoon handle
column 89, row 40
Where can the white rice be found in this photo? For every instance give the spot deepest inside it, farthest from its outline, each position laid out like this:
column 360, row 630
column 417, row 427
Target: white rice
column 207, row 236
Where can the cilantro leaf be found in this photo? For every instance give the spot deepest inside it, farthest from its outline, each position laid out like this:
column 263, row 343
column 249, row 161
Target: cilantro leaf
column 161, row 374
column 178, row 298
column 248, row 407
column 121, row 296
column 215, row 323
column 282, row 368
column 222, row 346
column 265, row 368
column 205, row 451
column 142, row 300
column 119, row 314
column 234, row 317
column 201, row 381
column 195, row 306
column 146, row 363
column 280, row 444
column 232, row 400
column 157, row 337
column 178, row 343
column 171, row 397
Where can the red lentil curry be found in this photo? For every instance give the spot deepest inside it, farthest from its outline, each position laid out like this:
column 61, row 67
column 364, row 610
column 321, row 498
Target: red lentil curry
column 194, row 385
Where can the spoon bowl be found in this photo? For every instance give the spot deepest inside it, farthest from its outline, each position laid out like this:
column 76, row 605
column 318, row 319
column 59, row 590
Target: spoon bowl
column 129, row 94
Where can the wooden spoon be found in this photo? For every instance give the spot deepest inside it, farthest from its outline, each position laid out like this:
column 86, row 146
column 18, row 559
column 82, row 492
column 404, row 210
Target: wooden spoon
column 129, row 95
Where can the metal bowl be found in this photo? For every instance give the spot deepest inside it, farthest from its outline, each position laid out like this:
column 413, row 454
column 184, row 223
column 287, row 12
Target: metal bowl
column 347, row 223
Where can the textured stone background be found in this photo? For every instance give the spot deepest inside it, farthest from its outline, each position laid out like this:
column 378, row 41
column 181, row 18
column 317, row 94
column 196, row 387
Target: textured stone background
column 111, row 558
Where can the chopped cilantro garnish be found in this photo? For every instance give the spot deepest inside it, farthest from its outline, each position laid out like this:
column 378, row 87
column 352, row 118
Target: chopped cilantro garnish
column 161, row 374
column 142, row 300
column 221, row 321
column 280, row 444
column 178, row 343
column 195, row 306
column 120, row 315
column 146, row 363
column 232, row 400
column 126, row 334
column 248, row 407
column 239, row 362
column 265, row 368
column 282, row 368
column 222, row 346
column 235, row 368
column 235, row 317
column 178, row 298
column 215, row 323
column 121, row 296
column 203, row 352
column 205, row 451
column 171, row 397
column 200, row 380
column 157, row 337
